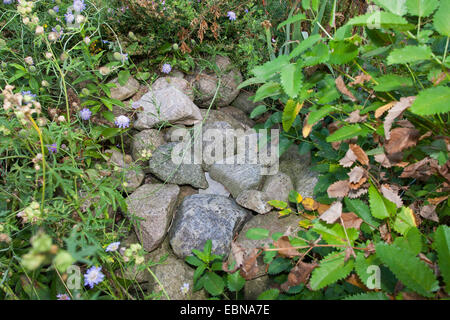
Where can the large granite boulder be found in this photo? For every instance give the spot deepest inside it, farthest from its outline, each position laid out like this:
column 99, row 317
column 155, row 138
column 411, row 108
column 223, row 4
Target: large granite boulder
column 203, row 217
column 154, row 203
column 180, row 84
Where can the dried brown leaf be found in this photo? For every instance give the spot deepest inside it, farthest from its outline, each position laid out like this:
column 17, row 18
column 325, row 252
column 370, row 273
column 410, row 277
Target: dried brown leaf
column 360, row 79
column 436, row 201
column 333, row 213
column 351, row 220
column 383, row 160
column 322, row 208
column 353, row 194
column 338, row 189
column 356, row 174
column 287, row 250
column 429, row 212
column 395, row 112
column 249, row 269
column 340, row 84
column 420, row 170
column 310, row 204
column 379, row 112
column 300, row 273
column 348, row 159
column 385, row 234
column 391, row 195
column 401, row 139
column 360, row 154
column 355, row 117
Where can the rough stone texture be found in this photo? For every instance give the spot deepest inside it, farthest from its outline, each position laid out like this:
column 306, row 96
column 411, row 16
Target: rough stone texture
column 124, row 92
column 214, row 187
column 277, row 187
column 210, row 132
column 243, row 102
column 181, row 84
column 206, row 84
column 172, row 274
column 186, row 191
column 130, row 174
column 140, row 93
column 162, row 166
column 154, row 203
column 144, row 143
column 239, row 115
column 303, row 178
column 253, row 288
column 166, row 105
column 217, row 115
column 254, row 200
column 202, row 217
column 169, row 133
column 237, row 177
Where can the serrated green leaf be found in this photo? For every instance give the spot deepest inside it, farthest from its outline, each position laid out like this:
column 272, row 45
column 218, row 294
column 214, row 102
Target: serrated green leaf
column 319, row 53
column 342, row 52
column 421, row 8
column 404, row 221
column 346, row 132
column 291, row 79
column 278, row 204
column 194, row 261
column 367, row 296
column 270, row 294
column 395, row 6
column 442, row 246
column 304, row 45
column 378, row 19
column 361, row 210
column 257, row 234
column 432, row 101
column 335, row 233
column 290, row 112
column 250, row 82
column 409, row 269
column 316, row 115
column 409, row 54
column 392, row 82
column 380, row 207
column 235, row 282
column 441, row 20
column 270, row 68
column 332, row 268
column 213, row 283
column 267, row 90
column 412, row 241
column 279, row 265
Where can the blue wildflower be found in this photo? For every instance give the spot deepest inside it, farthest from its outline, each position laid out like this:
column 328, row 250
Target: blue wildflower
column 93, row 276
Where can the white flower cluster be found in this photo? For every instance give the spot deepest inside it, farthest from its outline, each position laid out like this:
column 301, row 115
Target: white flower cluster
column 23, row 105
column 31, row 214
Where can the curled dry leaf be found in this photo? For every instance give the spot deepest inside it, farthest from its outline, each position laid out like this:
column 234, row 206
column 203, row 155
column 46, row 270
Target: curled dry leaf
column 351, row 220
column 401, row 139
column 379, row 112
column 332, row 214
column 349, row 252
column 348, row 160
column 286, row 249
column 360, row 154
column 370, row 249
column 238, row 253
column 360, row 79
column 353, row 194
column 357, row 177
column 323, row 207
column 420, row 170
column 395, row 112
column 340, row 84
column 404, row 123
column 436, row 201
column 391, row 195
column 385, row 234
column 383, row 160
column 355, row 117
column 339, row 189
column 306, row 127
column 249, row 269
column 310, row 204
column 300, row 273
column 426, row 135
column 429, row 212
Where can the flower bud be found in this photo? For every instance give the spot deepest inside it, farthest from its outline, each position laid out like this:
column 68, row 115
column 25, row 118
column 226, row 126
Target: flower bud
column 29, row 60
column 39, row 30
column 44, row 83
column 175, row 46
column 48, row 55
column 104, row 70
column 63, row 260
column 64, row 56
column 117, row 56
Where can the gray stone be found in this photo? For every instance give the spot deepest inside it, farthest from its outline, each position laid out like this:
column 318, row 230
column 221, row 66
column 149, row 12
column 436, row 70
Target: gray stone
column 254, row 200
column 170, row 134
column 131, row 175
column 244, row 103
column 203, row 217
column 124, row 92
column 277, row 187
column 166, row 105
column 144, row 144
column 173, row 274
column 237, row 177
column 240, row 116
column 155, row 204
column 181, row 84
column 217, row 115
column 214, row 187
column 163, row 167
column 303, row 178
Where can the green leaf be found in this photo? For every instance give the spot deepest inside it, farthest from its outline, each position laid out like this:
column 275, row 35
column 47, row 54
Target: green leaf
column 213, row 283
column 304, row 45
column 392, row 82
column 346, row 132
column 332, row 268
column 279, row 265
column 316, row 115
column 412, row 241
column 194, row 261
column 442, row 245
column 421, row 8
column 267, row 90
column 409, row 54
column 270, row 68
column 270, row 294
column 432, row 101
column 291, row 79
column 378, row 19
column 409, row 269
column 259, row 110
column 342, row 52
column 123, row 77
column 207, row 248
column 368, row 296
column 395, row 6
column 404, row 221
column 290, row 112
column 257, row 234
column 296, row 18
column 320, row 53
column 235, row 281
column 278, row 204
column 335, row 234
column 441, row 20
column 380, row 207
column 361, row 210
column 250, row 82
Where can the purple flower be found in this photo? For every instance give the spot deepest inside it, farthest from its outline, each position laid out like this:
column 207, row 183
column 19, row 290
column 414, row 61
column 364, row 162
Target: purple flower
column 135, row 105
column 78, row 5
column 112, row 246
column 53, row 148
column 56, row 8
column 85, row 114
column 166, row 68
column 62, row 296
column 122, row 122
column 70, row 18
column 93, row 276
column 231, row 15
column 8, row 1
